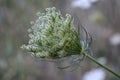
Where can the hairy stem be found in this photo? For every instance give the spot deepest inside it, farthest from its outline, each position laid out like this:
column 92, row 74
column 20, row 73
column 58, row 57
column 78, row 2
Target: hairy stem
column 103, row 66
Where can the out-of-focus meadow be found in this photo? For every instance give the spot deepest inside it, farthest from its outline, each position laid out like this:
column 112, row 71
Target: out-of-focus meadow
column 101, row 18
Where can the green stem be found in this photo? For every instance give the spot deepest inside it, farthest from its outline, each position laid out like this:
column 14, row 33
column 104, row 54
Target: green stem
column 103, row 66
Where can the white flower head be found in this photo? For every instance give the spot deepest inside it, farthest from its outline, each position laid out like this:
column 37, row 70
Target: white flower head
column 52, row 36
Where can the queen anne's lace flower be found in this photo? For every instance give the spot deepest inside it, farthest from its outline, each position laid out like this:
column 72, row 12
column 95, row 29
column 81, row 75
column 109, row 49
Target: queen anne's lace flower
column 52, row 36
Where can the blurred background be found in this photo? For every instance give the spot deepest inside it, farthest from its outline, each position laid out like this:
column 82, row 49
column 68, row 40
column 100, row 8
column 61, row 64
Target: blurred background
column 101, row 18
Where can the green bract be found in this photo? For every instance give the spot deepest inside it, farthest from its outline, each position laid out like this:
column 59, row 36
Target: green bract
column 52, row 36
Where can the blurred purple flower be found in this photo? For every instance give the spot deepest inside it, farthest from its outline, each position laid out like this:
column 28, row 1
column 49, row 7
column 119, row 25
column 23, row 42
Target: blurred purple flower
column 83, row 4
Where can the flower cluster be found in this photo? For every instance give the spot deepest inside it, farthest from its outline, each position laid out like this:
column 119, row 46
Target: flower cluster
column 52, row 36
